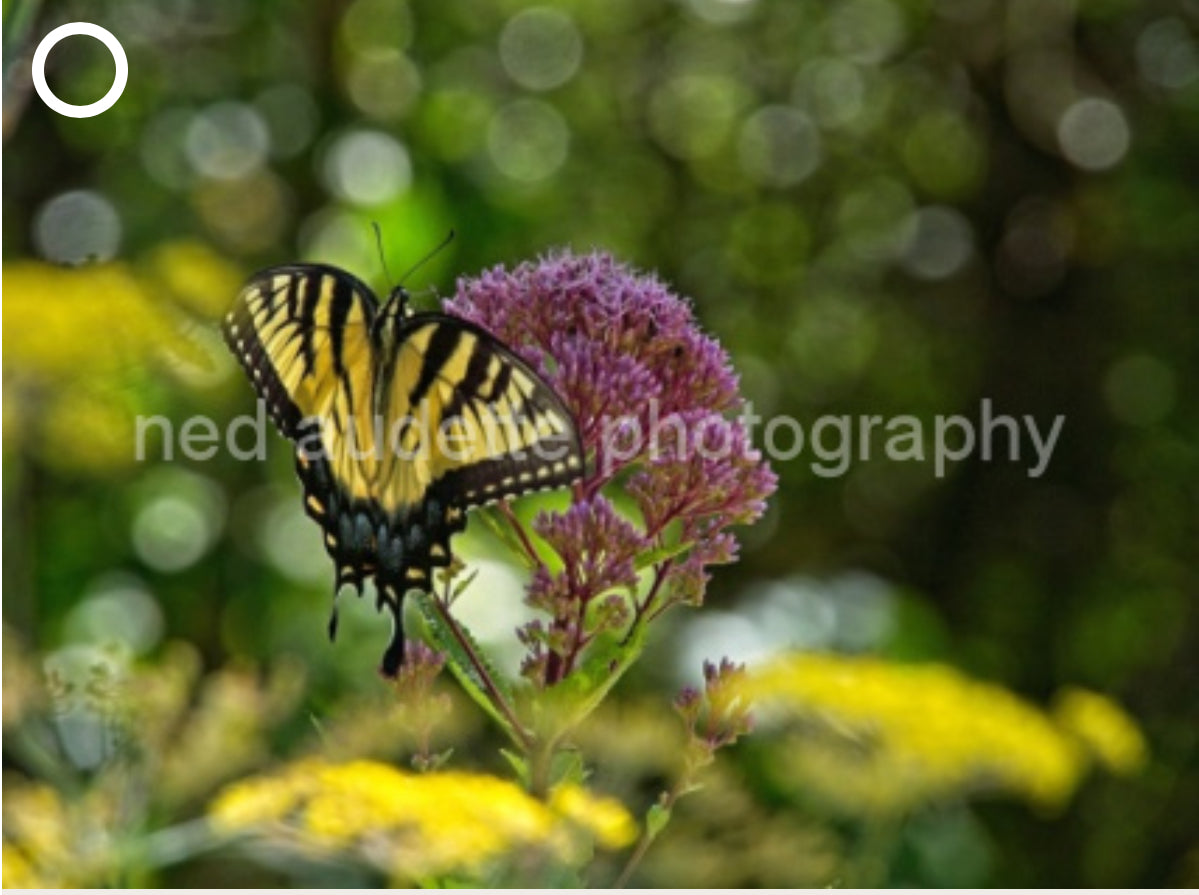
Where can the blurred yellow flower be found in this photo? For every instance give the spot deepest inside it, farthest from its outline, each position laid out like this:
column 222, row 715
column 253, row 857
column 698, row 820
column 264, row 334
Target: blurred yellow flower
column 605, row 818
column 874, row 737
column 416, row 826
column 77, row 323
column 36, row 819
column 1106, row 731
column 196, row 277
column 153, row 737
column 18, row 873
column 85, row 347
column 49, row 843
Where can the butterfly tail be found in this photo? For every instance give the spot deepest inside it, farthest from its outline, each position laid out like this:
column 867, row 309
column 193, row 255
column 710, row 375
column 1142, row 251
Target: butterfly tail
column 392, row 596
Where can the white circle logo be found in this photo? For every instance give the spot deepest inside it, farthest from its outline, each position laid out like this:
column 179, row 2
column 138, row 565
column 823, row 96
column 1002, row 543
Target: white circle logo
column 39, row 70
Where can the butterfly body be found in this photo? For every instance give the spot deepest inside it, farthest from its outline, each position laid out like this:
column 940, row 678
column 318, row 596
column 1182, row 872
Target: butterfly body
column 402, row 421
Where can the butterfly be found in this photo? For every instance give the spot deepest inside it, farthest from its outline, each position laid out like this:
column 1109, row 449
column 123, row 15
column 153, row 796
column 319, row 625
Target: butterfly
column 402, row 422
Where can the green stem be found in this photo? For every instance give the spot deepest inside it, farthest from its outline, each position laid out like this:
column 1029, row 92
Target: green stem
column 42, row 761
column 521, row 534
column 174, row 844
column 541, row 763
column 641, row 611
column 524, row 739
column 647, row 839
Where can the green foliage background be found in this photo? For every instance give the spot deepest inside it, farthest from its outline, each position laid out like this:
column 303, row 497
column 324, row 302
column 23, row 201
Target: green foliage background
column 879, row 207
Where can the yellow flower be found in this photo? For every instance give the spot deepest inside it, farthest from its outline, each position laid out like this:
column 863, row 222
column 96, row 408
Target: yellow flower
column 51, row 843
column 606, row 818
column 84, row 348
column 874, row 737
column 196, row 276
column 416, row 826
column 76, row 323
column 19, row 873
column 1107, row 732
column 36, row 819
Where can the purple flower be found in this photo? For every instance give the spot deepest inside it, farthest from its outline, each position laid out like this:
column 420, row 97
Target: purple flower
column 653, row 397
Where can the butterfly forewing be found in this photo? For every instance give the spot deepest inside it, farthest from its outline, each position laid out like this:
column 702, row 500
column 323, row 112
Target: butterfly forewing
column 303, row 333
column 483, row 424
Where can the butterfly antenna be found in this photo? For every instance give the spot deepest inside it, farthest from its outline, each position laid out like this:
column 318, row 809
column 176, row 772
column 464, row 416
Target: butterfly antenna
column 382, row 256
column 421, row 263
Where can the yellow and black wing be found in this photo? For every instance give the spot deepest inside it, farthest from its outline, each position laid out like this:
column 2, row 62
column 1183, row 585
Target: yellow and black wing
column 468, row 422
column 490, row 425
column 401, row 422
column 304, row 335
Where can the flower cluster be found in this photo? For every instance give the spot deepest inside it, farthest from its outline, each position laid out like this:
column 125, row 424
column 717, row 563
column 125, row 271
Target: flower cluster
column 419, row 827
column 653, row 398
column 50, row 842
column 872, row 737
column 119, row 748
column 719, row 715
column 190, row 731
column 424, row 708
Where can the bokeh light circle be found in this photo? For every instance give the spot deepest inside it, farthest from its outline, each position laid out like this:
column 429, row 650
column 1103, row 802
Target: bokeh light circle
column 541, row 48
column 692, row 115
column 1140, row 390
column 528, row 140
column 1093, row 134
column 178, row 519
column 77, row 226
column 941, row 243
column 367, row 167
column 117, row 608
column 779, row 146
column 832, row 89
column 1166, row 54
column 227, row 141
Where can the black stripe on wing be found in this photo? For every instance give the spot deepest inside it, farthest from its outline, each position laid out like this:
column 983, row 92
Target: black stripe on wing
column 551, row 461
column 441, row 346
column 243, row 340
column 285, row 304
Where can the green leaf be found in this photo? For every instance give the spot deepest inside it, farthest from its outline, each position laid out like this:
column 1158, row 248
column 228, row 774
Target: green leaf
column 499, row 527
column 468, row 662
column 568, row 767
column 656, row 819
column 605, row 656
column 518, row 764
column 581, row 692
column 461, row 586
column 659, row 555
